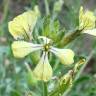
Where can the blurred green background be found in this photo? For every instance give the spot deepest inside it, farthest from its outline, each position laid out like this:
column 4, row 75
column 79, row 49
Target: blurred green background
column 14, row 80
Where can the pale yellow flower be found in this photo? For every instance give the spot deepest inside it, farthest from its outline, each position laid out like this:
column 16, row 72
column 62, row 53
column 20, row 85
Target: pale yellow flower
column 22, row 26
column 86, row 19
column 43, row 70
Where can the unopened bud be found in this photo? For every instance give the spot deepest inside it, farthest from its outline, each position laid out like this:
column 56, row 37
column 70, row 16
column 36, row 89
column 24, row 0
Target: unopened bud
column 78, row 64
column 58, row 5
column 36, row 8
column 67, row 78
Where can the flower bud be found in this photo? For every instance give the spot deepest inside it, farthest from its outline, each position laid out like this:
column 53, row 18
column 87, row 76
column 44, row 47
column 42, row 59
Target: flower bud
column 67, row 79
column 78, row 64
column 58, row 5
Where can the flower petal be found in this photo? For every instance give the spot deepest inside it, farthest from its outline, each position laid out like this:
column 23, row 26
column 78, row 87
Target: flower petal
column 66, row 56
column 91, row 32
column 45, row 39
column 21, row 48
column 43, row 70
column 22, row 26
column 86, row 19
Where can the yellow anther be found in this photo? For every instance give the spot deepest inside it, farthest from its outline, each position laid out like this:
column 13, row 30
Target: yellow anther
column 46, row 47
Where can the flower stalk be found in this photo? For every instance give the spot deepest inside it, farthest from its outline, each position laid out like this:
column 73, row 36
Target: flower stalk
column 45, row 90
column 80, row 71
column 82, row 68
column 64, row 83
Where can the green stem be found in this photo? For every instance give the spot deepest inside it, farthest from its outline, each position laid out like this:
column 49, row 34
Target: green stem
column 65, row 90
column 82, row 68
column 47, row 7
column 5, row 11
column 45, row 90
column 79, row 73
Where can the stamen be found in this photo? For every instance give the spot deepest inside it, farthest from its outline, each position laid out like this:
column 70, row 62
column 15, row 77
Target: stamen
column 46, row 47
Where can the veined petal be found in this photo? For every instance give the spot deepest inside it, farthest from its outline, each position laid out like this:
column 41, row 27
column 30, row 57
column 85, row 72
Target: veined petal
column 21, row 48
column 22, row 26
column 43, row 70
column 91, row 32
column 45, row 39
column 86, row 19
column 66, row 56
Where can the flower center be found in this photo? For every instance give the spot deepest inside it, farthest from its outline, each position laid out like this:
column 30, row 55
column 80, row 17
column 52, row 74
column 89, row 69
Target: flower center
column 46, row 47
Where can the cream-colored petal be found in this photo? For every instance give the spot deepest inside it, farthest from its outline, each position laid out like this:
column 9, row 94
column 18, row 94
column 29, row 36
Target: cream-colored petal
column 66, row 56
column 45, row 39
column 86, row 19
column 91, row 32
column 22, row 26
column 43, row 70
column 21, row 48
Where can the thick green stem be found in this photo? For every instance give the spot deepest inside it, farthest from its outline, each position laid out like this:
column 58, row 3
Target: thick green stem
column 47, row 7
column 45, row 90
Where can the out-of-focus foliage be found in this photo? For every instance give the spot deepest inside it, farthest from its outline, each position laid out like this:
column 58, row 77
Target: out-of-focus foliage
column 15, row 80
column 85, row 85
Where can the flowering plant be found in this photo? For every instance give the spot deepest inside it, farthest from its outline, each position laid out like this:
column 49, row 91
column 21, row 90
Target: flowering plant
column 24, row 27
